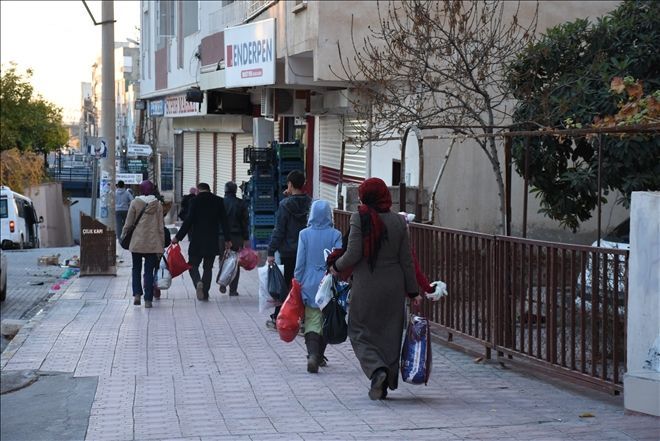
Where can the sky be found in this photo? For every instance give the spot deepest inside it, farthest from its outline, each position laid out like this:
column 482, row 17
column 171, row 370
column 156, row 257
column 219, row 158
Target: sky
column 59, row 42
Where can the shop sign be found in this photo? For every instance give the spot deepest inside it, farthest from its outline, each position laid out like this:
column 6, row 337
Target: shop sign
column 250, row 54
column 178, row 106
column 157, row 108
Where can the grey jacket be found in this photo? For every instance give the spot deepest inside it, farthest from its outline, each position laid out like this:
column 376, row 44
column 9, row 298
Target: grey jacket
column 123, row 199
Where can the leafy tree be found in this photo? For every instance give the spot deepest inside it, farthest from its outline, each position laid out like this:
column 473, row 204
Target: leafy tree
column 432, row 63
column 19, row 170
column 575, row 76
column 27, row 120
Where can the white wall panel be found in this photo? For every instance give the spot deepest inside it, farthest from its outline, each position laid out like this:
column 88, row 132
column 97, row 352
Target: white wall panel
column 189, row 161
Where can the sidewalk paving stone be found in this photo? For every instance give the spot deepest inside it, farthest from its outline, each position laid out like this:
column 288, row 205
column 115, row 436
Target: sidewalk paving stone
column 212, row 371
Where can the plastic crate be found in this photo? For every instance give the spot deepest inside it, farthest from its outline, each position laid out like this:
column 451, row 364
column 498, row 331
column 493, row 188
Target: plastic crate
column 263, row 173
column 262, row 219
column 289, row 150
column 262, row 197
column 254, row 155
column 257, row 244
column 261, row 233
column 287, row 166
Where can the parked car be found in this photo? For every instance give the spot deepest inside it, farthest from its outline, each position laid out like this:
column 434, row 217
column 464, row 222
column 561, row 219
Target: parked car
column 19, row 225
column 3, row 277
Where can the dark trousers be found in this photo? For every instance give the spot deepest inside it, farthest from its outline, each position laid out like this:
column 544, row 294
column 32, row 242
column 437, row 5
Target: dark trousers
column 194, row 262
column 150, row 262
column 289, row 267
column 120, row 217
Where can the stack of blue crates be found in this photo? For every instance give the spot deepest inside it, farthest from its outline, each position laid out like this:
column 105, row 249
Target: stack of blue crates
column 289, row 158
column 262, row 194
column 269, row 168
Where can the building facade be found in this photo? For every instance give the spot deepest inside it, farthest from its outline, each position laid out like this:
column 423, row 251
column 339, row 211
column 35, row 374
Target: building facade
column 270, row 71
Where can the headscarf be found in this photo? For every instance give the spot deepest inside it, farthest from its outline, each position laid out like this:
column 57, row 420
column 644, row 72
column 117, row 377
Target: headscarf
column 376, row 198
column 147, row 188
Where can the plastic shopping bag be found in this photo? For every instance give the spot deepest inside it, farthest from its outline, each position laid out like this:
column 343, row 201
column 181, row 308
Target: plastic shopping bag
column 335, row 327
column 163, row 276
column 325, row 291
column 266, row 301
column 176, row 263
column 248, row 259
column 416, row 356
column 228, row 269
column 292, row 311
column 276, row 283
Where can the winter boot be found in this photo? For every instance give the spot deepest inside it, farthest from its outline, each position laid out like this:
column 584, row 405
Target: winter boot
column 323, row 361
column 312, row 341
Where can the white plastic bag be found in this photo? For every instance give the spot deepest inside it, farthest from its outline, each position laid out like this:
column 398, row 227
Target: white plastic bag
column 228, row 269
column 325, row 291
column 266, row 301
column 163, row 276
column 439, row 292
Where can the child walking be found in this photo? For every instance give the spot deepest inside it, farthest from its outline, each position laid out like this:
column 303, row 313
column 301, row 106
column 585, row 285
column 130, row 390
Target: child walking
column 310, row 269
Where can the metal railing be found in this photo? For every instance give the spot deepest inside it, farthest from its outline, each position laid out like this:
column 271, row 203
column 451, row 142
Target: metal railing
column 560, row 306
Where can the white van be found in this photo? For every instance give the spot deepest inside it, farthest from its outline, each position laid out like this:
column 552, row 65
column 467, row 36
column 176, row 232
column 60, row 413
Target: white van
column 19, row 224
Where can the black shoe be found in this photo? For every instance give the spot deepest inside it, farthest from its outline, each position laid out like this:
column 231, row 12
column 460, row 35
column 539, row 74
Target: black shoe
column 312, row 364
column 377, row 380
column 199, row 290
column 233, row 293
column 136, row 300
column 223, row 289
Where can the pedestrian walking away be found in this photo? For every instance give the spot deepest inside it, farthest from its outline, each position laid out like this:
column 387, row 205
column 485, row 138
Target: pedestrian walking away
column 291, row 218
column 378, row 249
column 147, row 242
column 123, row 198
column 310, row 269
column 237, row 219
column 205, row 217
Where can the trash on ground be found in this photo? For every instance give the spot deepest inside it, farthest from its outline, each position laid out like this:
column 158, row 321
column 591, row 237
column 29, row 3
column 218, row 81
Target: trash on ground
column 73, row 262
column 49, row 260
column 587, row 415
column 35, row 283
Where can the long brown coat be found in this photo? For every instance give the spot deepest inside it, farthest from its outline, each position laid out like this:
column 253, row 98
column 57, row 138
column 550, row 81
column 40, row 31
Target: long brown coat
column 148, row 235
column 376, row 317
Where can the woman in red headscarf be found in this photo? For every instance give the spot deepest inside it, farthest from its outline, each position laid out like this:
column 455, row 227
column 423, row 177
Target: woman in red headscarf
column 378, row 249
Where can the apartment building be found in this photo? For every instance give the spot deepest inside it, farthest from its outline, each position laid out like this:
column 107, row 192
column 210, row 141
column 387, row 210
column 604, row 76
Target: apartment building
column 270, row 70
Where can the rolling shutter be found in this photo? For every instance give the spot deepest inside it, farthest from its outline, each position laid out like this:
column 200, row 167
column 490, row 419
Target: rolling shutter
column 206, row 158
column 223, row 160
column 242, row 140
column 189, row 161
column 330, row 156
column 355, row 158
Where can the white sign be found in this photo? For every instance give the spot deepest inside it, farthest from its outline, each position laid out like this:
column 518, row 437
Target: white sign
column 138, row 150
column 250, row 54
column 178, row 106
column 129, row 178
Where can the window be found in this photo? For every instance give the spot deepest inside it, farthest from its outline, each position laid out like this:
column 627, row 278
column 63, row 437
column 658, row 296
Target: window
column 396, row 172
column 3, row 208
column 165, row 21
column 190, row 20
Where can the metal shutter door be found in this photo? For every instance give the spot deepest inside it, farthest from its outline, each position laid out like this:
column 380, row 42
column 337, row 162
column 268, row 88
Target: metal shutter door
column 355, row 158
column 189, row 161
column 242, row 140
column 206, row 158
column 276, row 129
column 330, row 154
column 223, row 160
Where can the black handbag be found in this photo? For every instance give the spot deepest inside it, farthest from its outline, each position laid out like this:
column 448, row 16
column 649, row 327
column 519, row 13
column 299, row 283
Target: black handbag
column 335, row 328
column 277, row 287
column 125, row 241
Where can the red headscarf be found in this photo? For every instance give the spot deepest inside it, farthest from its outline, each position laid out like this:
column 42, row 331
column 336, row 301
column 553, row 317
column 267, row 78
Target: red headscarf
column 376, row 198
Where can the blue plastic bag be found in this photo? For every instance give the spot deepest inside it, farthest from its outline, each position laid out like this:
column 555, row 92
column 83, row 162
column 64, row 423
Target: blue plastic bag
column 416, row 357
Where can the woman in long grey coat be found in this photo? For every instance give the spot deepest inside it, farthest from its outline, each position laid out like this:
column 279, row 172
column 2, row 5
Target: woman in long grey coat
column 383, row 274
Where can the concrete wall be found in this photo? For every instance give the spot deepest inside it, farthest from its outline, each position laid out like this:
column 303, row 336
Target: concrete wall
column 55, row 231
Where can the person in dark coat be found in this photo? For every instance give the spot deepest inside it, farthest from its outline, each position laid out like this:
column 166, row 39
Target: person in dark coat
column 378, row 249
column 237, row 217
column 206, row 216
column 291, row 218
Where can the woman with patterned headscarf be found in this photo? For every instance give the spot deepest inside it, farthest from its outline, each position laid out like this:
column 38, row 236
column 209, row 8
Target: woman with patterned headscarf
column 378, row 249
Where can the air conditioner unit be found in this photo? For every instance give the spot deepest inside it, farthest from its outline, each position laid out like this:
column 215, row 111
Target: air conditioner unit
column 286, row 103
column 267, row 102
column 316, row 104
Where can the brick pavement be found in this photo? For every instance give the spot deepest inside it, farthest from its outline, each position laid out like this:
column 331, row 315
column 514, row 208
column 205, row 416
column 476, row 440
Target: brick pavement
column 189, row 370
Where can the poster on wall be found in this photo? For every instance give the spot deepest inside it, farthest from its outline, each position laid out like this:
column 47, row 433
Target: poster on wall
column 250, row 54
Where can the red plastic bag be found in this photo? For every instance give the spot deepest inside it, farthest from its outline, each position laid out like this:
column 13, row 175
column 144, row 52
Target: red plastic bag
column 248, row 259
column 292, row 311
column 176, row 263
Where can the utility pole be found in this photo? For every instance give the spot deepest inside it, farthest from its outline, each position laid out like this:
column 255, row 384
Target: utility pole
column 108, row 172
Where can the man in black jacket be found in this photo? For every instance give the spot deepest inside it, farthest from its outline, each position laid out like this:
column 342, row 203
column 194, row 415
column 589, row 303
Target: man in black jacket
column 291, row 218
column 205, row 216
column 237, row 217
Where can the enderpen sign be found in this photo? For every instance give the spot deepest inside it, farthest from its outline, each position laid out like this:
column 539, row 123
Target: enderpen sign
column 250, row 54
